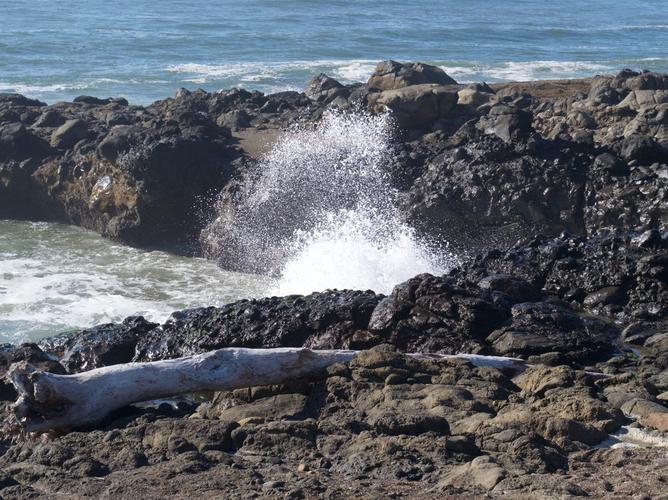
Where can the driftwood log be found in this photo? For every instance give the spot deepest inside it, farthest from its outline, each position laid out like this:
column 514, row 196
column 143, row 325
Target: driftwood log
column 48, row 401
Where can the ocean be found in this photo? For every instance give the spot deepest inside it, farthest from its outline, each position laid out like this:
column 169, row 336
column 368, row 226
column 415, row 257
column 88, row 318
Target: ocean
column 144, row 50
column 55, row 278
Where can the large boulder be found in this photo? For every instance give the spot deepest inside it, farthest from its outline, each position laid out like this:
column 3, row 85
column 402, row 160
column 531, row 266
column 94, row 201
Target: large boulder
column 639, row 99
column 543, row 327
column 69, row 133
column 119, row 140
column 21, row 151
column 18, row 143
column 644, row 80
column 474, row 96
column 433, row 314
column 417, row 106
column 390, row 75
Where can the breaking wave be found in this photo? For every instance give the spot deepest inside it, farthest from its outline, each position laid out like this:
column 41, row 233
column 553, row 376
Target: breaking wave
column 276, row 73
column 319, row 212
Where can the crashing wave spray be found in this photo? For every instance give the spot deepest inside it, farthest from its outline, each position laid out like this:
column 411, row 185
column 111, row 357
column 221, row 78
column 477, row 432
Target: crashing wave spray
column 319, row 212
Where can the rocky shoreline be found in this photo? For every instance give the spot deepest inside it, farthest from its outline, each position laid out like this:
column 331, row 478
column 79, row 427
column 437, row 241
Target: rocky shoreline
column 512, row 159
column 560, row 187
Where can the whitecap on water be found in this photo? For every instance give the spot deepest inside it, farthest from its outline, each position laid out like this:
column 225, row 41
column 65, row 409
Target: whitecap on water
column 524, row 70
column 348, row 71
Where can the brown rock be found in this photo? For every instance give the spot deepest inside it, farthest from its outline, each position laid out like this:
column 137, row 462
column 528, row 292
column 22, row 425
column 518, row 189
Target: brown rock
column 658, row 421
column 390, row 75
column 482, row 472
column 417, row 106
column 538, row 379
column 274, row 407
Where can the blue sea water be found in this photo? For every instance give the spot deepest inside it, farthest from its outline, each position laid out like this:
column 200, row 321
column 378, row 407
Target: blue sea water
column 145, row 49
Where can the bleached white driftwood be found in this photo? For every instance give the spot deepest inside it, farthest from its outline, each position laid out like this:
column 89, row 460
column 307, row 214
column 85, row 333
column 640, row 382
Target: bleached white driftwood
column 49, row 401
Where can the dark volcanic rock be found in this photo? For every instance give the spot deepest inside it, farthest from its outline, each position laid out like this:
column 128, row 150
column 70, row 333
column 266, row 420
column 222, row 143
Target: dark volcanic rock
column 509, row 123
column 324, row 89
column 489, row 187
column 150, row 183
column 471, row 311
column 69, row 133
column 139, row 175
column 614, row 275
column 21, row 151
column 30, row 353
column 542, row 327
column 435, row 314
column 102, row 345
column 18, row 143
column 328, row 319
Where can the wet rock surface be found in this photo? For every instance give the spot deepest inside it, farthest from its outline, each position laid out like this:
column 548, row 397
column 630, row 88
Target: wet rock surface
column 560, row 187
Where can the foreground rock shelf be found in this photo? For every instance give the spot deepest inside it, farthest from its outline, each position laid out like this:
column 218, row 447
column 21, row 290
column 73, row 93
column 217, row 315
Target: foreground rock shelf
column 385, row 423
column 53, row 402
column 560, row 187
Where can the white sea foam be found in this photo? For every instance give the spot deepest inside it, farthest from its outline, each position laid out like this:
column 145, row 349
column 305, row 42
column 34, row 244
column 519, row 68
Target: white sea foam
column 525, row 70
column 646, row 27
column 635, row 437
column 354, row 71
column 78, row 85
column 537, row 70
column 55, row 277
column 26, row 88
column 348, row 71
column 319, row 211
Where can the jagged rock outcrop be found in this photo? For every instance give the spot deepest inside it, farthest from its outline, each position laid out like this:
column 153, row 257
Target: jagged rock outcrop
column 528, row 302
column 620, row 275
column 507, row 159
column 415, row 107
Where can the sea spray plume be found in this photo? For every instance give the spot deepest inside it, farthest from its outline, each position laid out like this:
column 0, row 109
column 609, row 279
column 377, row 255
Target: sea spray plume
column 358, row 251
column 320, row 212
column 310, row 171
